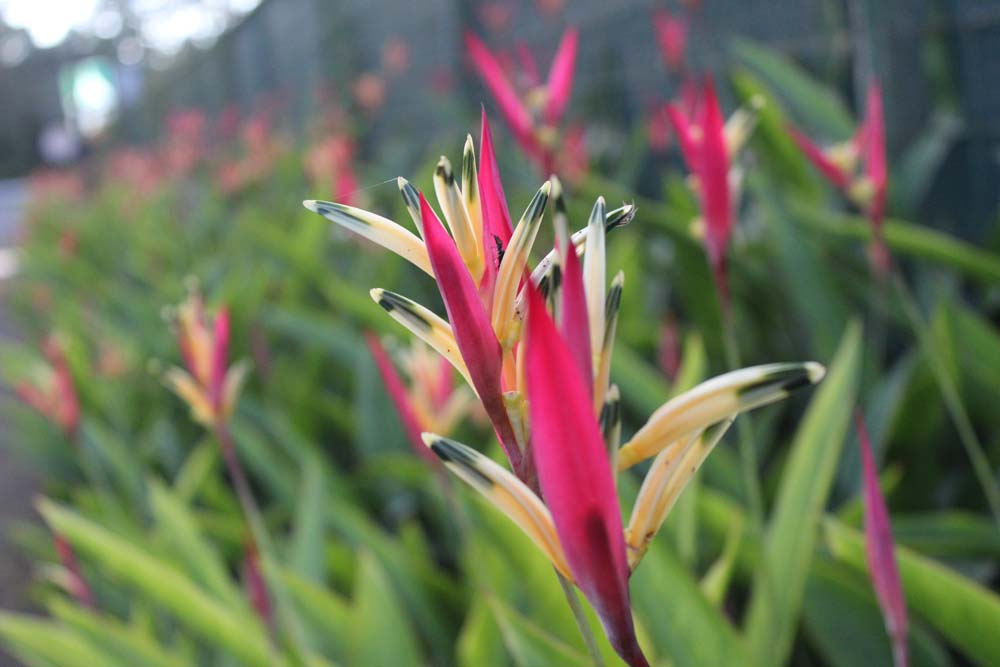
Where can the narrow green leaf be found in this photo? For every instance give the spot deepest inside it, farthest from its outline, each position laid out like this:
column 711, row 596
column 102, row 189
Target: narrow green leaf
column 382, row 634
column 967, row 614
column 794, row 525
column 307, row 535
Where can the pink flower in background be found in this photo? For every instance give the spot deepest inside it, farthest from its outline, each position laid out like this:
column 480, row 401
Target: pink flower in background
column 139, row 170
column 671, row 36
column 880, row 549
column 52, row 391
column 428, row 401
column 330, row 162
column 533, row 113
column 369, row 91
column 184, row 145
column 208, row 384
column 395, row 56
column 658, row 129
column 47, row 185
column 708, row 144
column 259, row 148
column 858, row 168
column 75, row 583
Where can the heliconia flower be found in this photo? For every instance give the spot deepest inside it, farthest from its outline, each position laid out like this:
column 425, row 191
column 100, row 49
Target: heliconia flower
column 209, row 386
column 880, row 549
column 430, row 402
column 709, row 145
column 75, row 582
column 544, row 380
column 534, row 113
column 858, row 167
column 671, row 35
column 53, row 393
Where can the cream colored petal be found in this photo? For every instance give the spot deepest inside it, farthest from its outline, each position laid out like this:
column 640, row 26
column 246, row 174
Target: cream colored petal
column 670, row 472
column 424, row 324
column 714, row 401
column 512, row 265
column 382, row 231
column 455, row 214
column 411, row 198
column 594, row 280
column 231, row 386
column 185, row 386
column 602, row 365
column 741, row 124
column 506, row 492
column 470, row 189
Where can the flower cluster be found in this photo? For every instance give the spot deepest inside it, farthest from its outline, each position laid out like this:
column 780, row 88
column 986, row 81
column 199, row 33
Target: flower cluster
column 209, row 386
column 52, row 392
column 535, row 345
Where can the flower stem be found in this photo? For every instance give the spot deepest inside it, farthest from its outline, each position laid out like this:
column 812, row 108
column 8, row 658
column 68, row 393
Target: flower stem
column 261, row 539
column 581, row 620
column 952, row 401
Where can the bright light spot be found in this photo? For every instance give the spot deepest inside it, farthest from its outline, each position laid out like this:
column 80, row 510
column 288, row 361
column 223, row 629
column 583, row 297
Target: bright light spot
column 94, row 96
column 47, row 21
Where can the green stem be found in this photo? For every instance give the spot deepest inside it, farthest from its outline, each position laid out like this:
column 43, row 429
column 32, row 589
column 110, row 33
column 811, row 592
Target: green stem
column 581, row 620
column 952, row 401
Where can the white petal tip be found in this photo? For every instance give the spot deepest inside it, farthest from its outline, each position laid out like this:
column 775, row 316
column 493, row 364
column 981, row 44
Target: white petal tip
column 310, row 204
column 815, row 371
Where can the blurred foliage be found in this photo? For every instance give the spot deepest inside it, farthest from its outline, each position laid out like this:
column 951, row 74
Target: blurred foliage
column 385, row 562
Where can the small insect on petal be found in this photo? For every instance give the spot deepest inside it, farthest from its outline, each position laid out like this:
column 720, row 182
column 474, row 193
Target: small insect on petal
column 509, row 494
column 714, row 401
column 455, row 214
column 670, row 472
column 425, row 325
column 382, row 231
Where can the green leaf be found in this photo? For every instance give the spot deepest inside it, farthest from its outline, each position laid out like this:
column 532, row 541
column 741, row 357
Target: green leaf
column 531, row 645
column 917, row 167
column 162, row 583
column 681, row 621
column 41, row 640
column 813, row 104
column 906, row 239
column 794, row 525
column 329, row 617
column 308, row 533
column 382, row 634
column 967, row 614
column 843, row 621
column 480, row 642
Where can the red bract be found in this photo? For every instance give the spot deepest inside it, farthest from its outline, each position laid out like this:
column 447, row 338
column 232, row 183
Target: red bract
column 533, row 114
column 55, row 395
column 576, row 479
column 671, row 35
column 703, row 145
column 397, row 392
column 471, row 326
column 880, row 550
column 78, row 586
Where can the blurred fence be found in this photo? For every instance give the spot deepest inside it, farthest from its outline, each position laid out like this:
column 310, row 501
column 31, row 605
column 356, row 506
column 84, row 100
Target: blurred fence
column 929, row 53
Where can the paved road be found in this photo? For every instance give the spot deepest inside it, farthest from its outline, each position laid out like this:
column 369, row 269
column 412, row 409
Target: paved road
column 16, row 486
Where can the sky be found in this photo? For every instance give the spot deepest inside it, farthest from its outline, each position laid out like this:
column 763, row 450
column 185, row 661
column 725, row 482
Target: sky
column 165, row 25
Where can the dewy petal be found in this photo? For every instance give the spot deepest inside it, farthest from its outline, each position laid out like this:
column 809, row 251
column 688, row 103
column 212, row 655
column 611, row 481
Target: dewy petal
column 510, row 105
column 559, row 87
column 830, row 169
column 425, row 325
column 602, row 370
column 397, row 393
column 471, row 326
column 509, row 494
column 576, row 478
column 455, row 214
column 880, row 550
column 594, row 278
column 574, row 318
column 382, row 231
column 670, row 472
column 714, row 401
column 512, row 265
